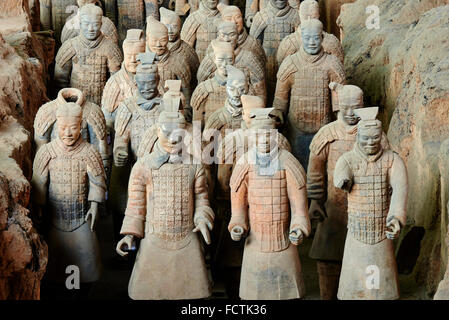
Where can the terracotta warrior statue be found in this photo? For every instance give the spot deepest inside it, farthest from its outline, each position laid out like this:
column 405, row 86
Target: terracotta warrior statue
column 122, row 84
column 170, row 66
column 54, row 13
column 254, row 6
column 245, row 41
column 68, row 185
column 329, row 204
column 150, row 137
column 138, row 113
column 86, row 61
column 309, row 9
column 244, row 60
column 133, row 13
column 269, row 207
column 199, row 28
column 302, row 90
column 376, row 181
column 72, row 26
column 270, row 26
column 167, row 206
column 93, row 125
column 210, row 95
column 177, row 46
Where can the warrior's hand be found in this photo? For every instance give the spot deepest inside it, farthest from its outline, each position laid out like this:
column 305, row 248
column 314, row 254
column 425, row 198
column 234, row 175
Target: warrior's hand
column 393, row 228
column 121, row 158
column 316, row 211
column 237, row 233
column 204, row 226
column 249, row 21
column 345, row 185
column 92, row 214
column 296, row 237
column 124, row 244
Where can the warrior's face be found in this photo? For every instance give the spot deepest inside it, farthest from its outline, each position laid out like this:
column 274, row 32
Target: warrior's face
column 347, row 110
column 235, row 89
column 130, row 53
column 369, row 139
column 222, row 59
column 147, row 84
column 170, row 136
column 210, row 4
column 279, row 4
column 90, row 26
column 157, row 42
column 69, row 129
column 312, row 39
column 230, row 35
column 174, row 28
column 237, row 19
column 265, row 140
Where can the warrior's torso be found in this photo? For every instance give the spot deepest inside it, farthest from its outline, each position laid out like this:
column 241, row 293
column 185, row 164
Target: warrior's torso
column 68, row 185
column 170, row 217
column 90, row 69
column 369, row 199
column 172, row 68
column 182, row 49
column 140, row 121
column 216, row 97
column 269, row 211
column 310, row 97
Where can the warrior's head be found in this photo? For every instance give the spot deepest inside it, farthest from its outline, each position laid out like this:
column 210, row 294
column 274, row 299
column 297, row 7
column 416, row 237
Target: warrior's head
column 171, row 126
column 90, row 21
column 236, row 85
column 312, row 36
column 227, row 32
column 223, row 56
column 309, row 9
column 173, row 23
column 232, row 14
column 157, row 36
column 279, row 4
column 263, row 127
column 69, row 117
column 369, row 131
column 133, row 44
column 210, row 4
column 147, row 78
column 345, row 99
column 249, row 103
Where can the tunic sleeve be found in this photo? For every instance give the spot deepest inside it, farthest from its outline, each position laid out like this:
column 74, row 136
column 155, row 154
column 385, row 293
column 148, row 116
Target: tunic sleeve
column 239, row 205
column 342, row 173
column 297, row 196
column 40, row 176
column 316, row 174
column 134, row 221
column 202, row 209
column 97, row 177
column 399, row 184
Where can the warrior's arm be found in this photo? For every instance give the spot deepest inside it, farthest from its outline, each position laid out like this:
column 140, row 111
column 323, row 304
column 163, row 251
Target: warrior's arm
column 97, row 186
column 343, row 175
column 399, row 184
column 239, row 205
column 139, row 182
column 337, row 72
column 115, row 60
column 39, row 180
column 203, row 210
column 316, row 173
column 281, row 96
column 188, row 31
column 122, row 135
column 62, row 74
column 251, row 8
column 297, row 196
